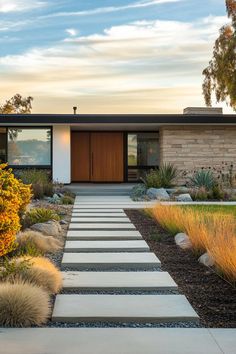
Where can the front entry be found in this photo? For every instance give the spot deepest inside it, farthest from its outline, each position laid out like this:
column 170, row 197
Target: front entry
column 97, row 156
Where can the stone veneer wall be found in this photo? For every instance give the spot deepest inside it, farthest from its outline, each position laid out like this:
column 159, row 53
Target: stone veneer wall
column 193, row 147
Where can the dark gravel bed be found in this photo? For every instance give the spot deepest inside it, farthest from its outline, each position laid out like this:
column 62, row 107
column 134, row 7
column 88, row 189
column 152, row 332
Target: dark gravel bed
column 124, row 324
column 120, row 292
column 114, row 269
column 212, row 297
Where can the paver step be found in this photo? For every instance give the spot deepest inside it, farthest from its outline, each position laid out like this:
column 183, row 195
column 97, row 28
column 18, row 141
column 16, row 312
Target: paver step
column 106, row 246
column 117, row 340
column 95, row 210
column 104, row 235
column 79, row 219
column 123, row 308
column 98, row 215
column 106, row 261
column 102, row 226
column 134, row 205
column 144, row 281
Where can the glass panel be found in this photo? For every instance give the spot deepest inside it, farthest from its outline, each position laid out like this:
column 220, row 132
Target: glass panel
column 29, row 147
column 143, row 149
column 3, row 147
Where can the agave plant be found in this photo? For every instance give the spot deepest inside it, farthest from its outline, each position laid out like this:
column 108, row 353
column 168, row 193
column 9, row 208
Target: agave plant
column 203, row 178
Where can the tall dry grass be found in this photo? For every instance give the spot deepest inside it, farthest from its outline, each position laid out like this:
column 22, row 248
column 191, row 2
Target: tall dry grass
column 211, row 232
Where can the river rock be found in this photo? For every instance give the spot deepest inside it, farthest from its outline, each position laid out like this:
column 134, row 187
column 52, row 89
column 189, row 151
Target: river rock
column 183, row 241
column 206, row 259
column 49, row 228
column 184, row 198
column 158, row 193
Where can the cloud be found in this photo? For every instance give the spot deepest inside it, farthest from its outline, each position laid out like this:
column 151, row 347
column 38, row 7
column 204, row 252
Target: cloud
column 72, row 32
column 109, row 9
column 144, row 66
column 19, row 5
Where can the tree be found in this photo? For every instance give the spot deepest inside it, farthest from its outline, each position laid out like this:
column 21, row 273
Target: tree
column 17, row 104
column 220, row 75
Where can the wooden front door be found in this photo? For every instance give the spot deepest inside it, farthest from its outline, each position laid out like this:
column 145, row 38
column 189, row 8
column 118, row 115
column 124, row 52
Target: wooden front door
column 97, row 157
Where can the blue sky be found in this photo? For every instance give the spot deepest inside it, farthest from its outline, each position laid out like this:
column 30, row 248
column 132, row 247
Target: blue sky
column 107, row 56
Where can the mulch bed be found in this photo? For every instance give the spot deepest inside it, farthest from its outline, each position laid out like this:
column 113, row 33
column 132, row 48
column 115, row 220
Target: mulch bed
column 212, row 297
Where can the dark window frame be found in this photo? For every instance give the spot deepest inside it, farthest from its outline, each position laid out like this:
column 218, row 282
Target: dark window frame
column 25, row 167
column 137, row 167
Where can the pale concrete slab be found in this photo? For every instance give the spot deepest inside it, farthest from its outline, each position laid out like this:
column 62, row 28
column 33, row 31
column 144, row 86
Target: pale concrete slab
column 81, row 261
column 107, row 341
column 106, row 246
column 125, row 308
column 98, row 215
column 80, row 219
column 225, row 338
column 95, row 210
column 135, row 205
column 104, row 235
column 144, row 281
column 102, row 226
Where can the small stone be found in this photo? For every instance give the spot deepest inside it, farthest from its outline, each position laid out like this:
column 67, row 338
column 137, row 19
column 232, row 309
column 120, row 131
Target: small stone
column 63, row 222
column 183, row 241
column 49, row 228
column 184, row 198
column 158, row 193
column 206, row 259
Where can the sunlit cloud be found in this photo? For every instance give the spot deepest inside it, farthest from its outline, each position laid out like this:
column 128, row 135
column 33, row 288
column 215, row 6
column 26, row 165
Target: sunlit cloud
column 20, row 5
column 72, row 32
column 143, row 66
column 109, row 9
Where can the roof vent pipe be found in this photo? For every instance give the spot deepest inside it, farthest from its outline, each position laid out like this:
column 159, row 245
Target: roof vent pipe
column 75, row 110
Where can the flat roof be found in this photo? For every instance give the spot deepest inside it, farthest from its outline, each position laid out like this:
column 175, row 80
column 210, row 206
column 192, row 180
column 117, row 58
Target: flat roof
column 87, row 119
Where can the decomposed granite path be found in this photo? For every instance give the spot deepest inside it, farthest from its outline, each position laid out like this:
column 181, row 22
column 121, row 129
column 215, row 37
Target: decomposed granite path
column 115, row 298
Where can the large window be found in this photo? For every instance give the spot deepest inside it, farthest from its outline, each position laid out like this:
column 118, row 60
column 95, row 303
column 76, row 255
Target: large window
column 3, row 145
column 29, row 147
column 143, row 154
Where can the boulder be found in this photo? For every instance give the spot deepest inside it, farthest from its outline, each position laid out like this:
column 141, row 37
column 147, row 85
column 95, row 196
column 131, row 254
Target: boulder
column 184, row 198
column 49, row 228
column 183, row 241
column 158, row 193
column 206, row 259
column 177, row 190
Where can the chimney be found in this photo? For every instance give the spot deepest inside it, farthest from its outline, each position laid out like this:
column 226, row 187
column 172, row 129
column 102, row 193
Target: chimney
column 75, row 110
column 203, row 110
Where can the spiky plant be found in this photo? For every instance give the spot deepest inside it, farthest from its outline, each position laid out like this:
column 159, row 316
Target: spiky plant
column 203, row 178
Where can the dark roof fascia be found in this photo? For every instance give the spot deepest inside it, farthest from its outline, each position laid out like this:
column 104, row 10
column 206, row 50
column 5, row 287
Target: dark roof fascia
column 173, row 119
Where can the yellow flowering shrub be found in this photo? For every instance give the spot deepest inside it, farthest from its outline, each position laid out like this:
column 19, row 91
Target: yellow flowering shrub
column 14, row 197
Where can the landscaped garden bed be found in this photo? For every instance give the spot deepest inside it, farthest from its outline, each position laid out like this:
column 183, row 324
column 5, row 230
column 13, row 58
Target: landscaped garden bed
column 32, row 234
column 209, row 291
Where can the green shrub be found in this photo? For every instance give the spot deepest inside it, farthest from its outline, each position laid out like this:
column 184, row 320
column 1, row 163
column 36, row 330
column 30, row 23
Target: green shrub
column 216, row 193
column 39, row 215
column 40, row 181
column 67, row 200
column 203, row 178
column 161, row 178
column 138, row 191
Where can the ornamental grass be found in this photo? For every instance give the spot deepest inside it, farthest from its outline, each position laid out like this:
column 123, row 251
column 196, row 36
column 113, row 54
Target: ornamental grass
column 214, row 233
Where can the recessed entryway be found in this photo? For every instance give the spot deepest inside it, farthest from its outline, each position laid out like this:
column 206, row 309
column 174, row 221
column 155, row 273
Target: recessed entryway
column 97, row 156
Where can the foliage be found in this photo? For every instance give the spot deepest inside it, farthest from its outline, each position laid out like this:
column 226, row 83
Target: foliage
column 162, row 177
column 210, row 229
column 23, row 305
column 40, row 182
column 39, row 215
column 35, row 243
column 67, row 200
column 17, row 104
column 219, row 76
column 14, row 196
column 203, row 178
column 138, row 192
column 217, row 193
column 199, row 194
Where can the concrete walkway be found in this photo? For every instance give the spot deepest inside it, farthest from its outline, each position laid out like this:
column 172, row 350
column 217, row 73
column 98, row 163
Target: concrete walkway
column 103, row 259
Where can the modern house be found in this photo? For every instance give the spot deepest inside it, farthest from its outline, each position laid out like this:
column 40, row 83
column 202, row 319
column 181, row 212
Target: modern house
column 117, row 148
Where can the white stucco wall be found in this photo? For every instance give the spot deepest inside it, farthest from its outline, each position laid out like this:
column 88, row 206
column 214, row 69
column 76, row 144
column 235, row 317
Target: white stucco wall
column 61, row 154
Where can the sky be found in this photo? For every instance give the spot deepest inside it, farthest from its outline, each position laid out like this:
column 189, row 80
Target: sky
column 116, row 56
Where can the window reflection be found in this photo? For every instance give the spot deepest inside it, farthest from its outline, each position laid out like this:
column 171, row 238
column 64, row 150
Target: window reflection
column 29, row 147
column 143, row 154
column 3, row 141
